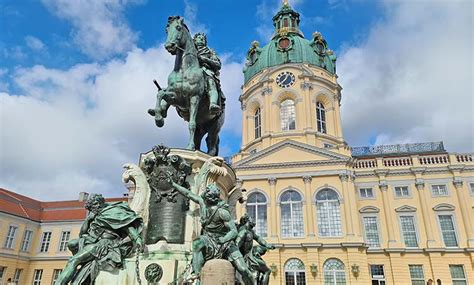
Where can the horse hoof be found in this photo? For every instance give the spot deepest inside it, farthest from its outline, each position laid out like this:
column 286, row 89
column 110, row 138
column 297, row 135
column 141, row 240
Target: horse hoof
column 152, row 112
column 159, row 123
column 191, row 147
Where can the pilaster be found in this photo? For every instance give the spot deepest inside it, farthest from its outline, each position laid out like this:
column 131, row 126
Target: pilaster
column 309, row 205
column 425, row 213
column 274, row 215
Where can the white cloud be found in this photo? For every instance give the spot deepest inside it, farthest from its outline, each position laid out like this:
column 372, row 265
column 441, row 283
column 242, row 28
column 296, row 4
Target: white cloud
column 99, row 26
column 190, row 17
column 411, row 79
column 34, row 43
column 72, row 130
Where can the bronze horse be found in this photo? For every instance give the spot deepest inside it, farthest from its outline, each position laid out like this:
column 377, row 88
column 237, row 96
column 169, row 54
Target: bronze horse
column 187, row 90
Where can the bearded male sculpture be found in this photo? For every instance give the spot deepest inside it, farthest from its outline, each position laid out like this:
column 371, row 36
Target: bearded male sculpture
column 109, row 234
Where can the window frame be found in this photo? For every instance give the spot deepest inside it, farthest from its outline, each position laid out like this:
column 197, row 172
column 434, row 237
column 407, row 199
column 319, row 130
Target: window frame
column 359, row 192
column 292, row 222
column 16, row 276
column 407, row 196
column 26, row 243
column 288, row 125
column 3, row 269
column 379, row 233
column 10, row 241
column 384, row 277
column 42, row 241
column 295, row 271
column 257, row 127
column 439, row 195
column 321, row 121
column 471, row 188
column 331, row 223
column 36, row 280
column 414, row 279
column 55, row 276
column 256, row 204
column 334, row 271
column 64, row 243
column 415, row 225
column 455, row 229
column 458, row 279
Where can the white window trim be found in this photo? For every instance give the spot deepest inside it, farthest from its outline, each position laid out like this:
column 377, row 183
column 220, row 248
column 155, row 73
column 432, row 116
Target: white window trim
column 422, row 270
column 267, row 206
column 410, row 192
column 378, row 228
column 15, row 236
column 41, row 241
column 439, row 196
column 294, row 271
column 470, row 185
column 415, row 224
column 302, row 202
column 30, row 241
column 374, row 195
column 457, row 279
column 443, row 213
column 60, row 236
column 384, row 275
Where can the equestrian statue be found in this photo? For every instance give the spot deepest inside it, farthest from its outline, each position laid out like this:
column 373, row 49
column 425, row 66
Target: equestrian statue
column 193, row 87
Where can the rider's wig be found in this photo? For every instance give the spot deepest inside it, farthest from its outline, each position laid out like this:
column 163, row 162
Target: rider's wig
column 202, row 35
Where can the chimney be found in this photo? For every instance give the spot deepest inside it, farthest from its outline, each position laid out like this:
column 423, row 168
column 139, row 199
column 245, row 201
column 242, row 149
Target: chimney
column 83, row 196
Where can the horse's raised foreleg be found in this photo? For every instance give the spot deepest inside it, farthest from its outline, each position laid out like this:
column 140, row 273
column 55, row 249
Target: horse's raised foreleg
column 159, row 107
column 193, row 107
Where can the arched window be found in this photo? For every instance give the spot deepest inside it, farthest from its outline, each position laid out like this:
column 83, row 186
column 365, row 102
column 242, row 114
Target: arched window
column 291, row 214
column 294, row 272
column 334, row 273
column 257, row 210
column 288, row 115
column 321, row 117
column 258, row 123
column 329, row 216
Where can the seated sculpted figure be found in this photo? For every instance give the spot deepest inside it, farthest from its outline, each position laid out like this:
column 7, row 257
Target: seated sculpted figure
column 218, row 232
column 109, row 234
column 253, row 254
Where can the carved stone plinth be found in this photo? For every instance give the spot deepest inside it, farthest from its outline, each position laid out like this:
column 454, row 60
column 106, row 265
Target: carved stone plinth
column 218, row 271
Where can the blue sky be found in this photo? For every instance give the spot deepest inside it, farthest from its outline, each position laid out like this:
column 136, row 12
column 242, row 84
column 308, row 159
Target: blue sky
column 75, row 79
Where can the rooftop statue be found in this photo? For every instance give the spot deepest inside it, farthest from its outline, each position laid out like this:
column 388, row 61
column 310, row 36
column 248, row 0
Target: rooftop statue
column 218, row 232
column 327, row 58
column 193, row 87
column 109, row 234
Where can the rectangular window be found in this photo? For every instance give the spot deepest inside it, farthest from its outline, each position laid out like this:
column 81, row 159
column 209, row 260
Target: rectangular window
column 64, row 239
column 10, row 236
column 45, row 241
column 365, row 193
column 378, row 274
column 25, row 243
column 402, row 191
column 2, row 270
column 38, row 274
column 17, row 275
column 439, row 190
column 409, row 231
column 446, row 223
column 416, row 274
column 371, row 231
column 56, row 273
column 471, row 187
column 457, row 275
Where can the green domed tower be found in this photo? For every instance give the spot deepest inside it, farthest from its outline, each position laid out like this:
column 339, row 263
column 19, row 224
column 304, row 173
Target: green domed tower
column 288, row 45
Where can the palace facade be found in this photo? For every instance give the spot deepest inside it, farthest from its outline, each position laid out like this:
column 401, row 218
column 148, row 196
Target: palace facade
column 394, row 214
column 397, row 214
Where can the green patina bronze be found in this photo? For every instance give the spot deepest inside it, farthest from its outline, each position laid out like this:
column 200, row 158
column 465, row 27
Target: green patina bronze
column 167, row 209
column 193, row 87
column 109, row 234
column 253, row 254
column 217, row 239
column 288, row 45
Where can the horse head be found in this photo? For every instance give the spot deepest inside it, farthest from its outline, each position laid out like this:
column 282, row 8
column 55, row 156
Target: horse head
column 175, row 29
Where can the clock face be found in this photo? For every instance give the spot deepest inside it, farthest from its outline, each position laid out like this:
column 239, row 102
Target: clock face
column 285, row 79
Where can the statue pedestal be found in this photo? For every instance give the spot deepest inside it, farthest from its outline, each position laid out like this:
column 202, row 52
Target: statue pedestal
column 218, row 271
column 171, row 260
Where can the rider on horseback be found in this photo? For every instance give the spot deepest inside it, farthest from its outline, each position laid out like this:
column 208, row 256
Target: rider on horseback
column 211, row 65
